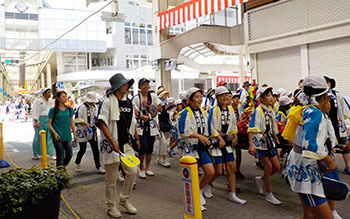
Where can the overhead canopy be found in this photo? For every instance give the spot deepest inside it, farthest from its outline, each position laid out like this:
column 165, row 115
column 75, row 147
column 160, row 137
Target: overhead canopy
column 192, row 10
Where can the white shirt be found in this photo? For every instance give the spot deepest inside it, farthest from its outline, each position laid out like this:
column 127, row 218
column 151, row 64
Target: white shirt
column 41, row 108
column 244, row 96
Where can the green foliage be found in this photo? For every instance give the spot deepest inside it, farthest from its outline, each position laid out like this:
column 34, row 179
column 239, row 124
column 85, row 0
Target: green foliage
column 29, row 186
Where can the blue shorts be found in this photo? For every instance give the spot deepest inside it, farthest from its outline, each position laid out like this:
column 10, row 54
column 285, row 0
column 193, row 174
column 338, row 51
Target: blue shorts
column 267, row 153
column 204, row 157
column 312, row 200
column 225, row 158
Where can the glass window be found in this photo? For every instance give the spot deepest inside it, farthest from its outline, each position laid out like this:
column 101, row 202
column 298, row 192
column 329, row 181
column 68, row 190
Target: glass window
column 127, row 35
column 143, row 63
column 136, row 56
column 142, row 25
column 149, row 38
column 21, row 16
column 136, row 64
column 128, row 64
column 149, row 26
column 134, row 25
column 135, row 36
column 9, row 15
column 33, row 16
column 127, row 24
column 142, row 37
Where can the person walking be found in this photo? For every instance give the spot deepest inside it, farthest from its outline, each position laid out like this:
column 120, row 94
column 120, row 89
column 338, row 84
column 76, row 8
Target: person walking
column 116, row 120
column 263, row 128
column 309, row 147
column 148, row 106
column 60, row 123
column 40, row 117
column 222, row 120
column 86, row 131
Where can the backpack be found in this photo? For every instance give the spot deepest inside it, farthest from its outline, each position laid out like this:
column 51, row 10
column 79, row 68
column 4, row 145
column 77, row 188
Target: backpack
column 164, row 121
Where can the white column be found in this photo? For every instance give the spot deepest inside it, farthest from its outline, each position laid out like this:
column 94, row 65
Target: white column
column 241, row 68
column 304, row 56
column 253, row 66
column 42, row 80
column 60, row 64
column 1, row 84
column 136, row 83
column 48, row 75
column 213, row 79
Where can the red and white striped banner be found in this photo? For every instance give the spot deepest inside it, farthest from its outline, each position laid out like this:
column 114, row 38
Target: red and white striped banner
column 231, row 79
column 193, row 9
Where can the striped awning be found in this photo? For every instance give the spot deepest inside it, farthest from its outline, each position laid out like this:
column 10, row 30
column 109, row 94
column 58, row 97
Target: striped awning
column 193, row 9
column 231, row 79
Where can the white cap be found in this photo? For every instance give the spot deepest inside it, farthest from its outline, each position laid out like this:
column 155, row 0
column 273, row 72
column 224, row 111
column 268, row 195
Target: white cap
column 317, row 83
column 171, row 100
column 261, row 90
column 177, row 102
column 221, row 90
column 280, row 91
column 236, row 95
column 183, row 96
column 193, row 90
column 284, row 100
column 45, row 89
column 91, row 97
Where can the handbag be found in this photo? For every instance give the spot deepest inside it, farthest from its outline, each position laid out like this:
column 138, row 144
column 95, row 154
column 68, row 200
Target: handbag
column 334, row 189
column 260, row 141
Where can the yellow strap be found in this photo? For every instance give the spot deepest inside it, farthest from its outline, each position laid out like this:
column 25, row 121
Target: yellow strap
column 230, row 107
column 217, row 111
column 261, row 110
column 189, row 111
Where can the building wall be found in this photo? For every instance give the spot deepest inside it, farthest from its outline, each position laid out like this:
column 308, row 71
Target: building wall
column 89, row 36
column 2, row 27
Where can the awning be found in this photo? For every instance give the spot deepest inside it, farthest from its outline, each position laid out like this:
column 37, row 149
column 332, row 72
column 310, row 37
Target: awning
column 192, row 10
column 231, row 79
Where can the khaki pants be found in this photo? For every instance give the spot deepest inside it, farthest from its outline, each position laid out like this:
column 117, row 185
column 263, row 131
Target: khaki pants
column 111, row 180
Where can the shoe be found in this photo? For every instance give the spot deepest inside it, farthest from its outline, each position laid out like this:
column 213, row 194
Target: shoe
column 200, row 171
column 260, row 184
column 142, row 174
column 203, row 208
column 270, row 198
column 239, row 175
column 114, row 212
column 35, row 157
column 173, row 152
column 207, row 191
column 101, row 170
column 53, row 157
column 78, row 168
column 233, row 198
column 165, row 163
column 149, row 173
column 169, row 152
column 347, row 170
column 134, row 186
column 238, row 189
column 158, row 159
column 259, row 165
column 120, row 177
column 129, row 207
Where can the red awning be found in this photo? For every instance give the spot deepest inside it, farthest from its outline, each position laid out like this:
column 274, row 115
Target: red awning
column 193, row 9
column 231, row 79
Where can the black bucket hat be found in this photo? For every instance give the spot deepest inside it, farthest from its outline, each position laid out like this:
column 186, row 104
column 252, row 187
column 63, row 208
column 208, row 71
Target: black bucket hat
column 117, row 81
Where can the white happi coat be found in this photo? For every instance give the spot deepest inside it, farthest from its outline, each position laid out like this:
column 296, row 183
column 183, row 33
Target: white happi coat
column 82, row 130
column 303, row 173
column 214, row 126
column 109, row 113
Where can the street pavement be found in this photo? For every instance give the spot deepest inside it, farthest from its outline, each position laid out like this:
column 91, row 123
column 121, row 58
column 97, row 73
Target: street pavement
column 160, row 196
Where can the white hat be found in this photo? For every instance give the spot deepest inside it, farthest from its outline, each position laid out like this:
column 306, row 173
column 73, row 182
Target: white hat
column 91, row 97
column 280, row 91
column 221, row 90
column 284, row 100
column 183, row 96
column 45, row 89
column 177, row 102
column 261, row 90
column 171, row 100
column 193, row 90
column 236, row 95
column 317, row 84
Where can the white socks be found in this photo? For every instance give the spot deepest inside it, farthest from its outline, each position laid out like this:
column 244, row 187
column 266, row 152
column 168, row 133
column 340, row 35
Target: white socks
column 260, row 184
column 270, row 198
column 233, row 198
column 202, row 200
column 336, row 215
column 207, row 191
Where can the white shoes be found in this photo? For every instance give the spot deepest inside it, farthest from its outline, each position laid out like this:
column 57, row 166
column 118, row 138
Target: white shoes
column 120, row 177
column 35, row 157
column 270, row 198
column 234, row 198
column 149, row 173
column 114, row 212
column 53, row 157
column 129, row 207
column 101, row 170
column 142, row 174
column 163, row 162
column 260, row 184
column 78, row 168
column 207, row 191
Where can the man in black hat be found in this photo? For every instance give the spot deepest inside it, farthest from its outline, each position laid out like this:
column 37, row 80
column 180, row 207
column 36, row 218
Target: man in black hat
column 148, row 106
column 116, row 120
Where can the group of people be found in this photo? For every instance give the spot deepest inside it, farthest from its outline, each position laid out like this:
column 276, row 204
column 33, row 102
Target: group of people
column 207, row 130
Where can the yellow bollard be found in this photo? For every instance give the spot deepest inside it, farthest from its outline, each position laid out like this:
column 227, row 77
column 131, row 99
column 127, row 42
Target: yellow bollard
column 3, row 163
column 190, row 188
column 43, row 150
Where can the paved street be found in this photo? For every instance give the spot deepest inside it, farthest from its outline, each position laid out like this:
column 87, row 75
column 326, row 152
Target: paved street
column 160, row 196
